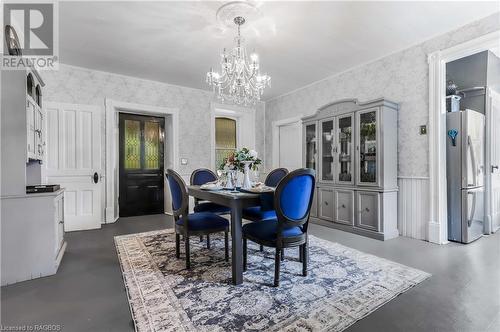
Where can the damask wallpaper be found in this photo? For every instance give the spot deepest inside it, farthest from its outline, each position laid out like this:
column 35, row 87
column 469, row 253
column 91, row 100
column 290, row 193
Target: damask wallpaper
column 401, row 77
column 85, row 86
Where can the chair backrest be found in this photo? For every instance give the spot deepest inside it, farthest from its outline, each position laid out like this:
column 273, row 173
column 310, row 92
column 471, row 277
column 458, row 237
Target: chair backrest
column 201, row 176
column 293, row 198
column 180, row 199
column 274, row 177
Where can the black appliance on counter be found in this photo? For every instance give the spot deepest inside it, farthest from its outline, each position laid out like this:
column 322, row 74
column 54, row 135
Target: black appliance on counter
column 42, row 188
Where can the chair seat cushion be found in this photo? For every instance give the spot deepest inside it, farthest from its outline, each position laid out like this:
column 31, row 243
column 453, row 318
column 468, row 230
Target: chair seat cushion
column 203, row 221
column 258, row 213
column 211, row 207
column 267, row 230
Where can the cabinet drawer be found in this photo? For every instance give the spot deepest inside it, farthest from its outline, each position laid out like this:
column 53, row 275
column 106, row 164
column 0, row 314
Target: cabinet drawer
column 344, row 207
column 325, row 204
column 367, row 204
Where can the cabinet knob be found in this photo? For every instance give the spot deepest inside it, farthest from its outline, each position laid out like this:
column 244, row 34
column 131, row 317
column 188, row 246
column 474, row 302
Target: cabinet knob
column 367, row 209
column 326, row 203
column 343, row 206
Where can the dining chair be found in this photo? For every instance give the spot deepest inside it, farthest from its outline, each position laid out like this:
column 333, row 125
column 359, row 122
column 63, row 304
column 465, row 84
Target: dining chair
column 292, row 200
column 192, row 224
column 199, row 177
column 265, row 211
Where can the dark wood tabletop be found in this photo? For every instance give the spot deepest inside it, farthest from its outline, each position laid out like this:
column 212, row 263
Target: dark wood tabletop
column 236, row 201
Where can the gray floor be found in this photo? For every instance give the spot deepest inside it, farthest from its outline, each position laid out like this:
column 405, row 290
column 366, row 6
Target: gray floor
column 87, row 293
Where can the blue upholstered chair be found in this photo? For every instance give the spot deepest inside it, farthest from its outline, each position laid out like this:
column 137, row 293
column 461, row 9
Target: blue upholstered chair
column 292, row 200
column 201, row 176
column 266, row 211
column 194, row 224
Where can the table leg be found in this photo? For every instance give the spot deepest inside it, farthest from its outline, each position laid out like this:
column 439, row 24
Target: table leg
column 236, row 244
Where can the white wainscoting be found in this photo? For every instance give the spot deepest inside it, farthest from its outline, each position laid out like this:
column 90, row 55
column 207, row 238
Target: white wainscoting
column 413, row 207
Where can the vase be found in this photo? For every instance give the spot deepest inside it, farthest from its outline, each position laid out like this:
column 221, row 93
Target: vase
column 247, row 184
column 230, row 180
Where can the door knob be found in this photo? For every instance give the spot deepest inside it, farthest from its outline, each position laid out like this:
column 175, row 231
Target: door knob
column 96, row 177
column 493, row 168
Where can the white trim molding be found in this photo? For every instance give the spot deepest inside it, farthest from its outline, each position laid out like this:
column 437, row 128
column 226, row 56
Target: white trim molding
column 276, row 137
column 112, row 108
column 438, row 215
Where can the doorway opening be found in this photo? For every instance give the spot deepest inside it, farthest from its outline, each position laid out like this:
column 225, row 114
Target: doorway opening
column 471, row 113
column 141, row 164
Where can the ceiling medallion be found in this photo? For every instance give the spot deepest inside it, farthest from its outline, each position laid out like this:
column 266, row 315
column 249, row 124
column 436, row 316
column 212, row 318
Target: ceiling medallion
column 240, row 80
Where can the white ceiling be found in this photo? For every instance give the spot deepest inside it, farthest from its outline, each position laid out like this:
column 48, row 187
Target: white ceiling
column 298, row 42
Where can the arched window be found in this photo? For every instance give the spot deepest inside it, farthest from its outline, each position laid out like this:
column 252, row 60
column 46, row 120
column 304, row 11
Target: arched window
column 225, row 139
column 29, row 85
column 38, row 94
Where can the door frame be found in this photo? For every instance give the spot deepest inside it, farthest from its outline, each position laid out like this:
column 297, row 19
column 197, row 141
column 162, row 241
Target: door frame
column 438, row 224
column 171, row 146
column 275, row 125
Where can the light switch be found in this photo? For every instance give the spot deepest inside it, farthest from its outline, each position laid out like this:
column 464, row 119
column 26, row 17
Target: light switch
column 423, row 130
column 184, row 161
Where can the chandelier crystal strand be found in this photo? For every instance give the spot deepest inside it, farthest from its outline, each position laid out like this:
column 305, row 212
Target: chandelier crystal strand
column 241, row 81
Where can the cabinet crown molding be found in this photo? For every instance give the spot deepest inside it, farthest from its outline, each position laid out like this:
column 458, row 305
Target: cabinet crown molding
column 347, row 105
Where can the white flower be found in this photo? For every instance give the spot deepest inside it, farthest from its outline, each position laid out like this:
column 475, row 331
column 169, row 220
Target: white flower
column 253, row 154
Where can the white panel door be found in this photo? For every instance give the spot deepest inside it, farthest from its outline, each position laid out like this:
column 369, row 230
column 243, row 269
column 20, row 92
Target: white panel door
column 494, row 102
column 290, row 146
column 73, row 157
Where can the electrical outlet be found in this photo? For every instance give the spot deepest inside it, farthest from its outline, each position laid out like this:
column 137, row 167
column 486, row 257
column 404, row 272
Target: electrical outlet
column 423, row 130
column 184, row 161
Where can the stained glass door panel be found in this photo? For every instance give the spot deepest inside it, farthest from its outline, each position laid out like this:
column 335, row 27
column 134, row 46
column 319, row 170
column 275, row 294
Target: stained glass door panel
column 132, row 150
column 344, row 149
column 368, row 128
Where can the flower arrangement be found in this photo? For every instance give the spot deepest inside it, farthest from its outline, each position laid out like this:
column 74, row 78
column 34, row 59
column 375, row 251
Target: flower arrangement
column 236, row 160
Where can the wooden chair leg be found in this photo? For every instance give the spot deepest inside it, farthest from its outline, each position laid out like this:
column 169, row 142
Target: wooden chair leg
column 208, row 241
column 226, row 245
column 282, row 255
column 177, row 245
column 188, row 260
column 201, row 238
column 304, row 259
column 277, row 263
column 261, row 248
column 245, row 250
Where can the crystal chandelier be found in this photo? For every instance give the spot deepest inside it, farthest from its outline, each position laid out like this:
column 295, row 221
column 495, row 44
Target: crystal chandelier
column 241, row 81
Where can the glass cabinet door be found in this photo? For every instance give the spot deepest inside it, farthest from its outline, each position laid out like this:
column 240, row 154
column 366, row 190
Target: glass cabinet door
column 311, row 146
column 368, row 127
column 327, row 139
column 344, row 149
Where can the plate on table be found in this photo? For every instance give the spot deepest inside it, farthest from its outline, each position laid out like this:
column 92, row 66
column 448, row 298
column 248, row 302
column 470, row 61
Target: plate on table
column 258, row 190
column 211, row 186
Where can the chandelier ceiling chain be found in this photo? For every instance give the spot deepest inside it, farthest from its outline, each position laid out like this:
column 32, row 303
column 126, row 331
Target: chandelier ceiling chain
column 240, row 81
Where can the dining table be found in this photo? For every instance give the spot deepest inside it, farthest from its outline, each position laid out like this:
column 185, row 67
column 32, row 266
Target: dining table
column 236, row 201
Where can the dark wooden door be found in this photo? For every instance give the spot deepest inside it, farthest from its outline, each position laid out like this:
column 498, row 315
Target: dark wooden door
column 141, row 164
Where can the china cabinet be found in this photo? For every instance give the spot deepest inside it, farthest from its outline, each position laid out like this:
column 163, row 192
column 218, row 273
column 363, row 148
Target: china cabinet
column 353, row 148
column 32, row 227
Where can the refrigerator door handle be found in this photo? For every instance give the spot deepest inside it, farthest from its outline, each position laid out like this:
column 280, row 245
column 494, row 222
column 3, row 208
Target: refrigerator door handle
column 473, row 209
column 473, row 161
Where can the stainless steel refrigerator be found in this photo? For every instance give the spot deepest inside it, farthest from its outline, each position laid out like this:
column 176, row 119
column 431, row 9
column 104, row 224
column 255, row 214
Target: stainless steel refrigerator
column 465, row 174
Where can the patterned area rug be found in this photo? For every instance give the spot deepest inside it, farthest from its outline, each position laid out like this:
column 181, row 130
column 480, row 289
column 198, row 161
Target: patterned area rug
column 343, row 285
